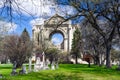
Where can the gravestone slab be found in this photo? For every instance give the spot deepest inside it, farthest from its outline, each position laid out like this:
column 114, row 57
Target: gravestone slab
column 37, row 65
column 46, row 67
column 53, row 66
column 23, row 71
column 56, row 65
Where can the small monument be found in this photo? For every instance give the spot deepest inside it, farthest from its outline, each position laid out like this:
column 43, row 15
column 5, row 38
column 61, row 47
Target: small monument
column 41, row 65
column 37, row 65
column 23, row 71
column 118, row 66
column 30, row 64
column 8, row 62
column 46, row 67
column 56, row 65
column 53, row 66
column 14, row 69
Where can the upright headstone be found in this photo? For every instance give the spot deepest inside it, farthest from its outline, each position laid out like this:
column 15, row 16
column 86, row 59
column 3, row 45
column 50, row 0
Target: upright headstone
column 37, row 65
column 57, row 66
column 23, row 71
column 30, row 64
column 46, row 67
column 14, row 72
column 118, row 66
column 53, row 66
column 8, row 62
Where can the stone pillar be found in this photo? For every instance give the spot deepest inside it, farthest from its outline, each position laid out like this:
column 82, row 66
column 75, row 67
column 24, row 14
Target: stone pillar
column 65, row 44
column 43, row 55
column 68, row 41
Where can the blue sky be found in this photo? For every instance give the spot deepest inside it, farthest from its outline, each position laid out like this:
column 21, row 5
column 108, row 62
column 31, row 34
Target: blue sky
column 57, row 39
column 28, row 12
column 25, row 13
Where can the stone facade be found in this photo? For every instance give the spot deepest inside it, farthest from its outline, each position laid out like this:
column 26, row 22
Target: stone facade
column 43, row 32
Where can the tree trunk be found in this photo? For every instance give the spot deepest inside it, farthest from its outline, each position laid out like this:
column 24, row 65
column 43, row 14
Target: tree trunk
column 76, row 62
column 98, row 60
column 108, row 57
column 88, row 62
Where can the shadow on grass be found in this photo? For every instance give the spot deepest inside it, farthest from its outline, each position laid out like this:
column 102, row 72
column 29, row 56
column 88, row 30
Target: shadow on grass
column 45, row 76
column 93, row 69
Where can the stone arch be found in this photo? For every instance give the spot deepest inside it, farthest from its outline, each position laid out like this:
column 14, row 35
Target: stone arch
column 55, row 31
column 48, row 28
column 61, row 46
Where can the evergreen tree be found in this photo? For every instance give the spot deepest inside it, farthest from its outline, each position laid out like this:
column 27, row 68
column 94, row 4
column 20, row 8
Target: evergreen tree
column 25, row 36
column 76, row 44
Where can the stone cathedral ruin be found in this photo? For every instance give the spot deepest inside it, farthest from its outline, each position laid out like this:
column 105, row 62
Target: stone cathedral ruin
column 42, row 33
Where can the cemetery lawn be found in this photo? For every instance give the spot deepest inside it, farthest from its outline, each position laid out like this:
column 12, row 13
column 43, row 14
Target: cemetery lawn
column 65, row 72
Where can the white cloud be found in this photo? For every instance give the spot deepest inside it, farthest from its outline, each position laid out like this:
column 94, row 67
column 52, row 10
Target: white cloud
column 1, row 3
column 38, row 21
column 39, row 8
column 57, row 38
column 6, row 27
column 33, row 7
column 56, row 41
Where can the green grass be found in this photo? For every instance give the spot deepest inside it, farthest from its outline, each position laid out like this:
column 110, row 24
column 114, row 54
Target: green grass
column 65, row 72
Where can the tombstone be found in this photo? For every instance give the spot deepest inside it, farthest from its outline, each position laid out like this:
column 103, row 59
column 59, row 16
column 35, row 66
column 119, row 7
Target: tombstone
column 14, row 69
column 23, row 71
column 53, row 66
column 37, row 65
column 118, row 66
column 46, row 67
column 41, row 65
column 30, row 64
column 1, row 76
column 57, row 66
column 8, row 62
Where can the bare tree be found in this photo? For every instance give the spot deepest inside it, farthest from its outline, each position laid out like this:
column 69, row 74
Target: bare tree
column 2, row 53
column 93, row 11
column 17, row 50
column 93, row 42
